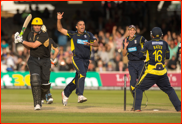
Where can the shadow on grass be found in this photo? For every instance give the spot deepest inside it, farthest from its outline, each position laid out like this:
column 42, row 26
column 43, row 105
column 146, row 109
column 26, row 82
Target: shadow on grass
column 48, row 108
column 155, row 109
column 85, row 107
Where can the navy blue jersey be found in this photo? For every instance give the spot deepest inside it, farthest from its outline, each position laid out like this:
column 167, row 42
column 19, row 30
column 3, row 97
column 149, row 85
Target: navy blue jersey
column 134, row 47
column 77, row 43
column 157, row 51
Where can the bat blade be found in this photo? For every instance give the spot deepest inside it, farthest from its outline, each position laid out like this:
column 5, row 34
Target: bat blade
column 26, row 22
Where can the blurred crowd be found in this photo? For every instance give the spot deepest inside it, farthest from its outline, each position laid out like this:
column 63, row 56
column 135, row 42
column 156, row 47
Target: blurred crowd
column 109, row 25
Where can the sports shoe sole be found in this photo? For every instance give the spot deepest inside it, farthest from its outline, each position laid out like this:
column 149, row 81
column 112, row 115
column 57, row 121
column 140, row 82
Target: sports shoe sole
column 37, row 108
column 50, row 101
column 42, row 101
column 81, row 101
column 64, row 104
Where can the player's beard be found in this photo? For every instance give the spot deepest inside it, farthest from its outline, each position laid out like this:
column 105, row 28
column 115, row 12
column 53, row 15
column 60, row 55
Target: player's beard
column 37, row 30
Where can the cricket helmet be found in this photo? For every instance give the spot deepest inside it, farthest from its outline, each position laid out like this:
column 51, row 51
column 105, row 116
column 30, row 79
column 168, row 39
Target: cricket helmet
column 37, row 21
column 156, row 32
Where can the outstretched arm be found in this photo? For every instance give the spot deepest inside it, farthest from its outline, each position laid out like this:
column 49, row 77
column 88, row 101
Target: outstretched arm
column 59, row 25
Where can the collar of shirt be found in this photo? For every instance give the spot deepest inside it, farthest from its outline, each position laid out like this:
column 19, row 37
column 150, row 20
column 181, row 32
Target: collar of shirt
column 156, row 39
column 132, row 37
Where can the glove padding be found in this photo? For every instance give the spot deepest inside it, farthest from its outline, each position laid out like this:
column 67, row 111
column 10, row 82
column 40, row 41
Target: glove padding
column 54, row 61
column 18, row 38
column 43, row 28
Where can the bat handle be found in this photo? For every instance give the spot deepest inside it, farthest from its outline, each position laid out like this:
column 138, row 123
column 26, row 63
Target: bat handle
column 22, row 31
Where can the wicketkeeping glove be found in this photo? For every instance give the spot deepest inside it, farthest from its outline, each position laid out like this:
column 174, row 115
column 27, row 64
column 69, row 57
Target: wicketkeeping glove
column 18, row 38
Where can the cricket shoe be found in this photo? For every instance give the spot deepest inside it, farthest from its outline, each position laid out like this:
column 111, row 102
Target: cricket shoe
column 48, row 98
column 37, row 107
column 42, row 101
column 81, row 99
column 64, row 99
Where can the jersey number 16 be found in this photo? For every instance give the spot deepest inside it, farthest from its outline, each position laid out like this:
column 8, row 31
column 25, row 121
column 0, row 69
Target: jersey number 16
column 158, row 56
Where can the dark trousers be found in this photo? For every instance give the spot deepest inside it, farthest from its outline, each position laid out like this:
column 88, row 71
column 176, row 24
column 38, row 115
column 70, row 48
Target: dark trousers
column 39, row 75
column 42, row 67
column 81, row 66
column 162, row 82
column 135, row 68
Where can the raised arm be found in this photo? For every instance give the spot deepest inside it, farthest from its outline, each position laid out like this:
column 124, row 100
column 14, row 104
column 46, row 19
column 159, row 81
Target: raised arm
column 114, row 31
column 125, row 47
column 59, row 25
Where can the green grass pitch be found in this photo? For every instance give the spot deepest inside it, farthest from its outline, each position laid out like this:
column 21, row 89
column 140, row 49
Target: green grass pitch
column 103, row 106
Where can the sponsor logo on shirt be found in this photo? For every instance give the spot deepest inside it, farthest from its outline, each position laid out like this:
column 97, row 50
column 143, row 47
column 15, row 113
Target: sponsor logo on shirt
column 80, row 41
column 157, row 43
column 135, row 41
column 132, row 49
column 85, row 36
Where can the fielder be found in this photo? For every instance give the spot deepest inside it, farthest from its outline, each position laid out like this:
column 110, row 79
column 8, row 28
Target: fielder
column 39, row 62
column 81, row 43
column 132, row 46
column 157, row 51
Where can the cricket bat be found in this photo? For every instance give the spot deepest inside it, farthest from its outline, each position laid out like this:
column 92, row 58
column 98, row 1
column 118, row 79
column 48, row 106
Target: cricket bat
column 27, row 20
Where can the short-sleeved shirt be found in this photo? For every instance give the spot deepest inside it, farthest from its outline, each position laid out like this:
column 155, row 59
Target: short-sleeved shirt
column 52, row 45
column 42, row 51
column 157, row 51
column 77, row 43
column 134, row 47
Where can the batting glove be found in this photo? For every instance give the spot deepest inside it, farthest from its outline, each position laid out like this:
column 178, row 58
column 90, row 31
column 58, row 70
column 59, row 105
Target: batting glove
column 18, row 39
column 15, row 37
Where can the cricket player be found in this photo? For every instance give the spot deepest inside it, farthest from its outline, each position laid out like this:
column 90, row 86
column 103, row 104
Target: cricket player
column 131, row 47
column 81, row 43
column 48, row 96
column 39, row 62
column 157, row 51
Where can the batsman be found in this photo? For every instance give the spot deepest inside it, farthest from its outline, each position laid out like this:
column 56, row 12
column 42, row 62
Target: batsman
column 39, row 62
